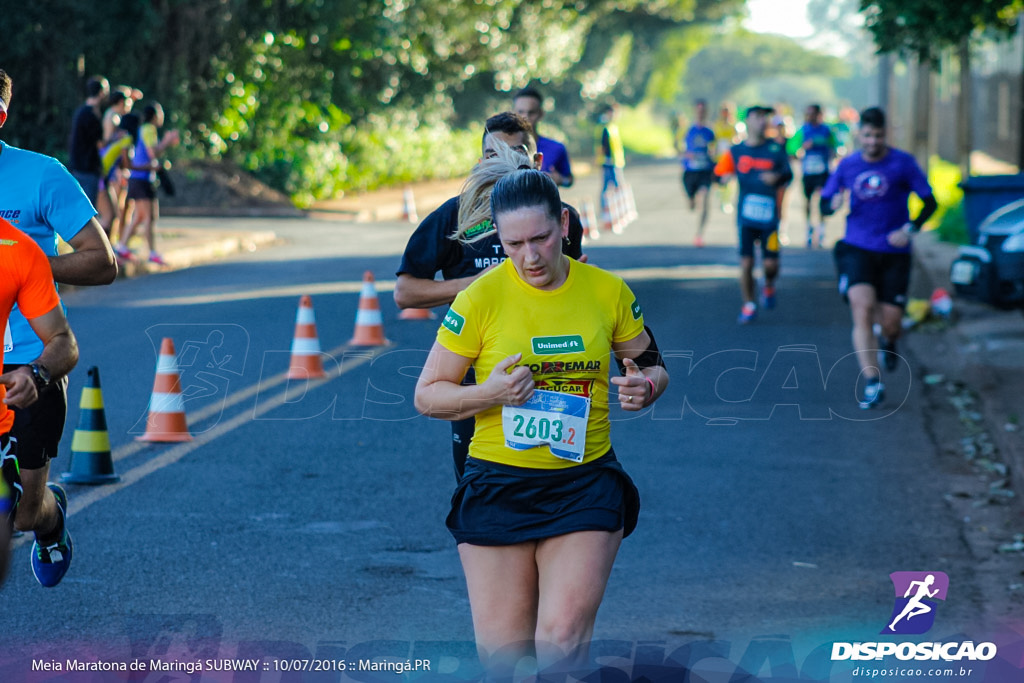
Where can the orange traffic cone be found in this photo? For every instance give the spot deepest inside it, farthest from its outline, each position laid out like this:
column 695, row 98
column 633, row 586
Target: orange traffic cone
column 409, row 207
column 166, row 421
column 306, row 362
column 416, row 314
column 369, row 324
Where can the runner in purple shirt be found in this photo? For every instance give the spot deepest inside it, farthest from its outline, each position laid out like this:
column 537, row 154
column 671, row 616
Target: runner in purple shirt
column 873, row 259
column 529, row 104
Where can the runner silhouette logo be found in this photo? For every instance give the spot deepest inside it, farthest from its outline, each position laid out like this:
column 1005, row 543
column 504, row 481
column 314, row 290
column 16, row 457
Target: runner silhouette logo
column 917, row 594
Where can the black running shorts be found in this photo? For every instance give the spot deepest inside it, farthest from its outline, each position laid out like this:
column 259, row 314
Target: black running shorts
column 768, row 237
column 887, row 272
column 139, row 188
column 815, row 182
column 693, row 181
column 38, row 427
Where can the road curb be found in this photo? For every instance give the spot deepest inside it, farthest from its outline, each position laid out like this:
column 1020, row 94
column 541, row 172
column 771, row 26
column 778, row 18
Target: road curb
column 197, row 247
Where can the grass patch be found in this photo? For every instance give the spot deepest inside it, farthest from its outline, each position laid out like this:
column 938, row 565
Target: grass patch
column 952, row 227
column 644, row 133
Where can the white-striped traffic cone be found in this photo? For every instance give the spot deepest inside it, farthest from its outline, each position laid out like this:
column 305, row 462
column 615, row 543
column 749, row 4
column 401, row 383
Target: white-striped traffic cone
column 627, row 191
column 409, row 207
column 306, row 361
column 588, row 217
column 166, row 421
column 369, row 323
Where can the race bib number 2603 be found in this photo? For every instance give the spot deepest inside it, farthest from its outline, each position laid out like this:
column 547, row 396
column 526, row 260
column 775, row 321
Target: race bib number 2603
column 549, row 418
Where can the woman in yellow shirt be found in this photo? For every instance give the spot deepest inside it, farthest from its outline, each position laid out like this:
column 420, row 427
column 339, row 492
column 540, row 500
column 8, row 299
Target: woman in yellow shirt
column 543, row 505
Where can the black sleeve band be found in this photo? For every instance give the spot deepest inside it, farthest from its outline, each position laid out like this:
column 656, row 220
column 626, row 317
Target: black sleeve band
column 826, row 206
column 929, row 208
column 650, row 358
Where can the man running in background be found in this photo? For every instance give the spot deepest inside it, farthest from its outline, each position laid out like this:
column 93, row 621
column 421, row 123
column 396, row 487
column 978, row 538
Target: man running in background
column 529, row 104
column 818, row 144
column 698, row 166
column 873, row 258
column 44, row 201
column 762, row 167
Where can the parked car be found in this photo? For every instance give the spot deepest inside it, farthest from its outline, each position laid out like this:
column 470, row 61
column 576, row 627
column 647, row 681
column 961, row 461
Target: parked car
column 992, row 269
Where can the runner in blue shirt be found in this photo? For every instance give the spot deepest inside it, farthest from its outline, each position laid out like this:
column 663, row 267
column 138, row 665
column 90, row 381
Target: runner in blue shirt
column 42, row 199
column 698, row 166
column 873, row 258
column 529, row 104
column 817, row 143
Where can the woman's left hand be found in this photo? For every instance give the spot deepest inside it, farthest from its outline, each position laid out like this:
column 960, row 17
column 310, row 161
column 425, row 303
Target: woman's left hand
column 634, row 389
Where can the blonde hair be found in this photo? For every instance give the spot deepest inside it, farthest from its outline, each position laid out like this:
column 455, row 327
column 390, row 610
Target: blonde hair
column 475, row 197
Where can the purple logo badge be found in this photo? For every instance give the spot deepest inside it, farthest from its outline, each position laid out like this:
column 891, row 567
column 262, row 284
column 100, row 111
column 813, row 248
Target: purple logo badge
column 916, row 594
column 870, row 185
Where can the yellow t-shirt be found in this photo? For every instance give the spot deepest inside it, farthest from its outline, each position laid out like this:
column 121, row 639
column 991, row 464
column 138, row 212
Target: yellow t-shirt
column 499, row 315
column 725, row 134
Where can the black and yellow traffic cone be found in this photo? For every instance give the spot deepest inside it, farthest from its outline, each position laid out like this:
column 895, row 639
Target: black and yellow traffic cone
column 91, row 462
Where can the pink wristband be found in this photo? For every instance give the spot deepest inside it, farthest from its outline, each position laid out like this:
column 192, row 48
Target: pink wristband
column 654, row 390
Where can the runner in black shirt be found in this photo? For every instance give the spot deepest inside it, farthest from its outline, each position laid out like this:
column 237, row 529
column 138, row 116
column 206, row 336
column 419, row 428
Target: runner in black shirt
column 433, row 249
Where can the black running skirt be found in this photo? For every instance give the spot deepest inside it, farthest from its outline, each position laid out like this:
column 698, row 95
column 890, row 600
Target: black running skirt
column 497, row 504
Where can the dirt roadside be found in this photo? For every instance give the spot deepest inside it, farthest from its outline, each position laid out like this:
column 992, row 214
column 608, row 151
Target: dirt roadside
column 974, row 411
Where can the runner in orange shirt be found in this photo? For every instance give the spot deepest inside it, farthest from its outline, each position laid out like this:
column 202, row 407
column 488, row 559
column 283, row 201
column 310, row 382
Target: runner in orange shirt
column 26, row 280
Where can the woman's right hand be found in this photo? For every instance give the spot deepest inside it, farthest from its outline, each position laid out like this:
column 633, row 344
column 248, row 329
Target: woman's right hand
column 511, row 388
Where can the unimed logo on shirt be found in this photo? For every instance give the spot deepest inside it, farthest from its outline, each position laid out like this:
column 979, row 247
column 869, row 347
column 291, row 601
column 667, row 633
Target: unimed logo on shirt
column 453, row 321
column 572, row 343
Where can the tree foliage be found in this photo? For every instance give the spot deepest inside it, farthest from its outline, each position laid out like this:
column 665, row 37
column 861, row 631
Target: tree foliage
column 304, row 91
column 728, row 63
column 923, row 28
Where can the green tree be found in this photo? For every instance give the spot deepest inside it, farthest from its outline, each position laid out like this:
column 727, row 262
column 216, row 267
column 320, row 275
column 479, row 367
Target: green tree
column 316, row 95
column 924, row 28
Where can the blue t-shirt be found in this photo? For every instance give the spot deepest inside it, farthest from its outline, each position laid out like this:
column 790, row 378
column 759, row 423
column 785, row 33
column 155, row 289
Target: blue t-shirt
column 699, row 140
column 40, row 198
column 879, row 191
column 823, row 145
column 556, row 156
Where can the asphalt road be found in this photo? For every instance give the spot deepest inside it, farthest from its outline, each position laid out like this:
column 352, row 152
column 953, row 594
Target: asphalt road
column 307, row 521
